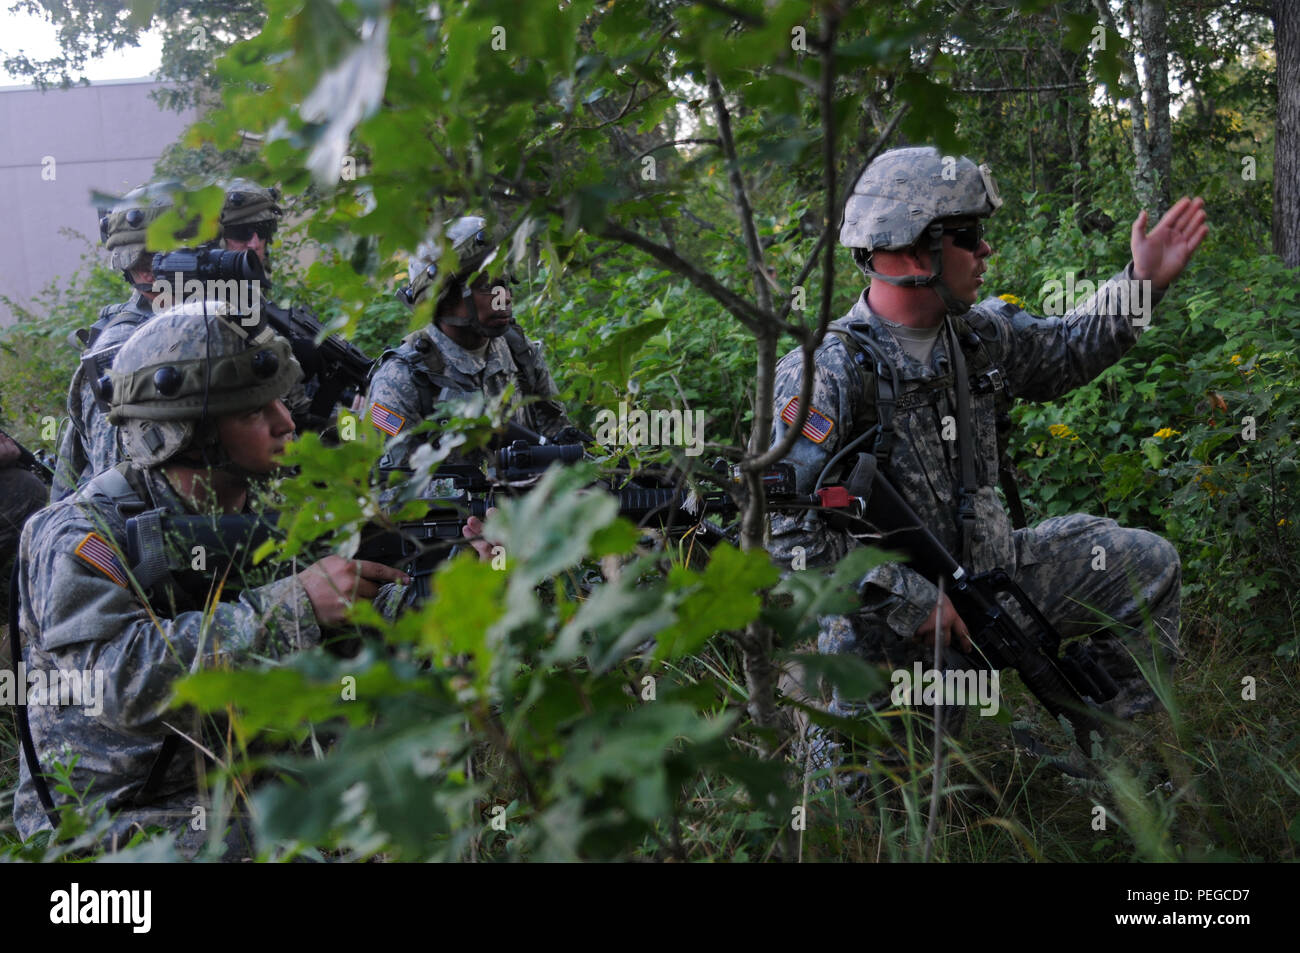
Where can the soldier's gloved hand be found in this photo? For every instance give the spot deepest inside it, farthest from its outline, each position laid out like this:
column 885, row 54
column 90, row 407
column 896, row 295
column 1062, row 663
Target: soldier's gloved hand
column 9, row 452
column 952, row 625
column 334, row 583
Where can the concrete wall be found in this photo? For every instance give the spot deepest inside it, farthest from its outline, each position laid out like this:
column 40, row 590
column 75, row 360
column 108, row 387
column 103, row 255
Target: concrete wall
column 103, row 137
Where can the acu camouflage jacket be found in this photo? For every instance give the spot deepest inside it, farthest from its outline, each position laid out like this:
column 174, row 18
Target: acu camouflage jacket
column 80, row 613
column 1038, row 358
column 429, row 368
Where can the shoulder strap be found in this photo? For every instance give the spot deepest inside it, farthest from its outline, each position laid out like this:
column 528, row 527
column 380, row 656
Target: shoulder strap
column 85, row 338
column 965, row 452
column 877, row 389
column 20, row 706
column 427, row 358
column 988, row 376
column 521, row 352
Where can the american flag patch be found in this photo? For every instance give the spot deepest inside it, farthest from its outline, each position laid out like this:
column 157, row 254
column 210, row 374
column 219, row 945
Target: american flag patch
column 387, row 421
column 94, row 550
column 816, row 428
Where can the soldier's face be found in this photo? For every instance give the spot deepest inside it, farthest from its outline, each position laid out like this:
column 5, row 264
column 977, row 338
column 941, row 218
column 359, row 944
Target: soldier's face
column 256, row 439
column 255, row 243
column 964, row 266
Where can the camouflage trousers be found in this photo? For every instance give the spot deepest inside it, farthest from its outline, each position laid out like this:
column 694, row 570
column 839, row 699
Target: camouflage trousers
column 1119, row 588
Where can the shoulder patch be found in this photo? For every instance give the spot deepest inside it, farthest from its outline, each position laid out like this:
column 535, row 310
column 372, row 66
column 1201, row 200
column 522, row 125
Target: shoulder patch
column 816, row 428
column 95, row 550
column 386, row 420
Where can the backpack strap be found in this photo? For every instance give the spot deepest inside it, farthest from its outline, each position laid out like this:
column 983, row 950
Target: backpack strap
column 521, row 352
column 877, row 383
column 418, row 352
column 969, row 485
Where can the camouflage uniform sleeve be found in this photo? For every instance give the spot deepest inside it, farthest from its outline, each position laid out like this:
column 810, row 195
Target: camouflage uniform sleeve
column 1048, row 357
column 547, row 413
column 89, row 621
column 393, row 407
column 901, row 597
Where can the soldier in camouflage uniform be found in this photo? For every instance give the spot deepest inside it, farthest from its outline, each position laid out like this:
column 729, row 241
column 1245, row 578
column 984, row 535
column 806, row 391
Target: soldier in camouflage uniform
column 197, row 405
column 89, row 445
column 915, row 223
column 472, row 347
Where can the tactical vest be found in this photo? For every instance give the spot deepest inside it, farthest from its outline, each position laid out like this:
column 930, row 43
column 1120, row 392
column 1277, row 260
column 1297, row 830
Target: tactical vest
column 432, row 362
column 96, row 363
column 982, row 375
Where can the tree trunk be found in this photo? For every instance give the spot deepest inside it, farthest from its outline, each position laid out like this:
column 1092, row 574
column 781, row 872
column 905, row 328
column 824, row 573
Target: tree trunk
column 1155, row 51
column 1286, row 149
column 1144, row 174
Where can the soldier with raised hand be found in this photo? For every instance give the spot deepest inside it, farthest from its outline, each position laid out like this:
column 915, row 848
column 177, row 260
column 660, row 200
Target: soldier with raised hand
column 471, row 347
column 891, row 378
column 89, row 445
column 197, row 404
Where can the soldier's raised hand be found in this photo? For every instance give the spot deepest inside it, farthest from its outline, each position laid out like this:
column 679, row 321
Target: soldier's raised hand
column 1162, row 254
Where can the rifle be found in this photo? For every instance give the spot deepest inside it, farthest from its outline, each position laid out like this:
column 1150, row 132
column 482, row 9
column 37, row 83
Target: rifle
column 1060, row 681
column 334, row 370
column 161, row 544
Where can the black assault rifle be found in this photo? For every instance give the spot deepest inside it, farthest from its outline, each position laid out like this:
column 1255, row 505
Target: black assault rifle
column 161, row 545
column 334, row 371
column 1061, row 681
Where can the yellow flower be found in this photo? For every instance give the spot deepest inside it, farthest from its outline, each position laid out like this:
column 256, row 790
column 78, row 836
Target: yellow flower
column 1236, row 358
column 1165, row 432
column 1061, row 431
column 1018, row 302
column 1282, row 522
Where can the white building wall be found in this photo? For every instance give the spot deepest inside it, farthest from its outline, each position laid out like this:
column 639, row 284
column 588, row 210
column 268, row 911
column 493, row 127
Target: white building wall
column 56, row 149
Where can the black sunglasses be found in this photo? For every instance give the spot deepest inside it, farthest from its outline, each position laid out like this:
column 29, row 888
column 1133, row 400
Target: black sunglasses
column 244, row 233
column 967, row 236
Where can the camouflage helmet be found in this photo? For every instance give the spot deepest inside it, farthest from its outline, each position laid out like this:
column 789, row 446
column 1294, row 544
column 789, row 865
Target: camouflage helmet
column 248, row 202
column 904, row 190
column 181, row 371
column 124, row 228
column 473, row 248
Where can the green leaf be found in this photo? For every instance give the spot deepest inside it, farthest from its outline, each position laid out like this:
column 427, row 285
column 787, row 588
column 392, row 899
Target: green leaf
column 613, row 361
column 723, row 597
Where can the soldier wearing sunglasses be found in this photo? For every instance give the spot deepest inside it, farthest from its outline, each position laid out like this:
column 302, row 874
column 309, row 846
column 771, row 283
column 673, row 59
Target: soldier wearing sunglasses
column 249, row 220
column 920, row 375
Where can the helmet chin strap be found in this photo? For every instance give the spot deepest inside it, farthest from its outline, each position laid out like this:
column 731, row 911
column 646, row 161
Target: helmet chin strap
column 934, row 281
